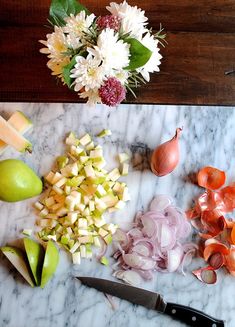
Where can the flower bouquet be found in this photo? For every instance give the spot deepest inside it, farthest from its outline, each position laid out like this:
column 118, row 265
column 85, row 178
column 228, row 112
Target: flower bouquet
column 101, row 57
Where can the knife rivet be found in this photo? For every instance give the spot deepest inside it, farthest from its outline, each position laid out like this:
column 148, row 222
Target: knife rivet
column 173, row 311
column 194, row 318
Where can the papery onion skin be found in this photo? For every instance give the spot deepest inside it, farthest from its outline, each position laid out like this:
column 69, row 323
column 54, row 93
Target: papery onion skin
column 211, row 178
column 165, row 157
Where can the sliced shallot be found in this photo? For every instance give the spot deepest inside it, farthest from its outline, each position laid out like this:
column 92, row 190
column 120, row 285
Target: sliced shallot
column 154, row 244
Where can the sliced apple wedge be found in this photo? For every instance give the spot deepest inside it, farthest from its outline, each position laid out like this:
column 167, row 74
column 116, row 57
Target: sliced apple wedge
column 19, row 261
column 35, row 255
column 20, row 123
column 10, row 136
column 50, row 263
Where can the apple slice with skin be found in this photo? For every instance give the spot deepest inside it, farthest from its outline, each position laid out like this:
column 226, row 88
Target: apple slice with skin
column 21, row 123
column 13, row 138
column 35, row 255
column 18, row 259
column 50, row 263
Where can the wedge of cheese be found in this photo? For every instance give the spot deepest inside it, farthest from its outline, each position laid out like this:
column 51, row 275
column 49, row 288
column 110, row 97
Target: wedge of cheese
column 12, row 137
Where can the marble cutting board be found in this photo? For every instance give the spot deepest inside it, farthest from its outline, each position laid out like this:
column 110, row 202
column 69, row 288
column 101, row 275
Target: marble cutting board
column 208, row 139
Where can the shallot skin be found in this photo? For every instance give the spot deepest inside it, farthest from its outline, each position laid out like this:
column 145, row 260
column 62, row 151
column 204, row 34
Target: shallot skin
column 165, row 157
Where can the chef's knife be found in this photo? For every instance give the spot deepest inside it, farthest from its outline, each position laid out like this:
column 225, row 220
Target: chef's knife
column 153, row 301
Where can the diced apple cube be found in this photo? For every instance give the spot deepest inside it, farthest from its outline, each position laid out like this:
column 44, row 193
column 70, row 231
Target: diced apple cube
column 38, row 205
column 120, row 204
column 90, row 146
column 99, row 221
column 100, row 190
column 56, row 207
column 108, row 239
column 114, row 175
column 67, row 189
column 76, row 256
column 43, row 212
column 49, row 201
column 61, row 182
column 85, row 139
column 80, row 207
column 110, row 200
column 105, row 132
column 72, row 217
column 56, row 178
column 104, row 261
column 97, row 153
column 97, row 241
column 27, row 232
column 51, row 216
column 62, row 212
column 91, row 205
column 123, row 157
column 82, row 223
column 57, row 189
column 125, row 168
column 85, row 239
column 49, row 177
column 83, row 159
column 83, row 251
column 75, row 247
column 102, row 232
column 77, row 196
column 89, row 171
column 125, row 195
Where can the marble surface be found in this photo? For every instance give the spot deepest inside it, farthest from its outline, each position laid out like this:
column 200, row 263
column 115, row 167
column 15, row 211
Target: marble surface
column 208, row 139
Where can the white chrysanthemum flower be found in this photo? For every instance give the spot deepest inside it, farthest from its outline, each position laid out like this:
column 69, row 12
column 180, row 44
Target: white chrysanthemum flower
column 92, row 95
column 57, row 66
column 88, row 73
column 122, row 75
column 77, row 25
column 133, row 19
column 57, row 50
column 73, row 41
column 113, row 53
column 56, row 44
column 154, row 62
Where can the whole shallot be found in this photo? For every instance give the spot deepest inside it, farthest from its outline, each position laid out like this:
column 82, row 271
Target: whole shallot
column 165, row 157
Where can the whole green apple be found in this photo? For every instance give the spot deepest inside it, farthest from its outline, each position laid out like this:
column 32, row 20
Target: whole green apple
column 18, row 181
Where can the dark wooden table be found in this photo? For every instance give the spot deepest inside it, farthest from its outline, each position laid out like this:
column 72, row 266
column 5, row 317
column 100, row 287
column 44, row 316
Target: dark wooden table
column 200, row 50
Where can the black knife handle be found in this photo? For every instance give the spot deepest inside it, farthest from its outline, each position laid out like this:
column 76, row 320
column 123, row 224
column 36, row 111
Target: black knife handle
column 191, row 317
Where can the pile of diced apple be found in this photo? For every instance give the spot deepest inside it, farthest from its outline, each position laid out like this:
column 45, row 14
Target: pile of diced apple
column 78, row 193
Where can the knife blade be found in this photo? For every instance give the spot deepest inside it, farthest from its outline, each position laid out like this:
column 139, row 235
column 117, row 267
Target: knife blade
column 153, row 301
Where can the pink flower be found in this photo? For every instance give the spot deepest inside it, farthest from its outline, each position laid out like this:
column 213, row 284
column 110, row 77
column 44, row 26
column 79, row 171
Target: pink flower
column 112, row 92
column 109, row 21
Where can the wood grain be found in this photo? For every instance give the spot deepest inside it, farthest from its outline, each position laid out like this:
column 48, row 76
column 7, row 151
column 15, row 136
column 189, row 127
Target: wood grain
column 201, row 48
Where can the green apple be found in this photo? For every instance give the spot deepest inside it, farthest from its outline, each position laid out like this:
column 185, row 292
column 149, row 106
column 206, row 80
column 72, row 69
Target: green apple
column 19, row 261
column 50, row 263
column 18, row 181
column 35, row 255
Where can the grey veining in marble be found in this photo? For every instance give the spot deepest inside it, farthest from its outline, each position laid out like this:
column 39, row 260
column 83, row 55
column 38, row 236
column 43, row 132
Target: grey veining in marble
column 208, row 139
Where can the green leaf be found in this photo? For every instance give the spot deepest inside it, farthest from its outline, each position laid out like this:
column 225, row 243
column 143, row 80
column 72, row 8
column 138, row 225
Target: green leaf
column 66, row 71
column 139, row 54
column 60, row 9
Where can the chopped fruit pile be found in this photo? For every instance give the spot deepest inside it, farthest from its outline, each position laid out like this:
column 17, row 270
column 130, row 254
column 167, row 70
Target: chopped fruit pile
column 216, row 230
column 78, row 194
